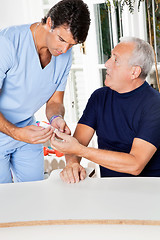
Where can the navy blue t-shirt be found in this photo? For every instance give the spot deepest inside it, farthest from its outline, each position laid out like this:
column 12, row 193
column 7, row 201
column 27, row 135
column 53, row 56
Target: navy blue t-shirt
column 118, row 118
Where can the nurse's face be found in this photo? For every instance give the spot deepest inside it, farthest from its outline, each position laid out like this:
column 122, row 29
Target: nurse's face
column 59, row 40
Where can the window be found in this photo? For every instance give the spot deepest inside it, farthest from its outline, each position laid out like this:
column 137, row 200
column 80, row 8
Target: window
column 154, row 10
column 109, row 29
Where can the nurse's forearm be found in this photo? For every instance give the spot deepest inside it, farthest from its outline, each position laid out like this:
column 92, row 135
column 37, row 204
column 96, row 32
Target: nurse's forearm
column 54, row 109
column 29, row 134
column 7, row 127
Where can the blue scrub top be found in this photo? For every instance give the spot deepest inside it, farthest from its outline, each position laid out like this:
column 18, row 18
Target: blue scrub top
column 25, row 85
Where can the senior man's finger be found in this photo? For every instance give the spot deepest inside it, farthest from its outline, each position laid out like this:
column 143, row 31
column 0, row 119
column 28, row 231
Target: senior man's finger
column 82, row 173
column 64, row 175
column 76, row 174
column 73, row 173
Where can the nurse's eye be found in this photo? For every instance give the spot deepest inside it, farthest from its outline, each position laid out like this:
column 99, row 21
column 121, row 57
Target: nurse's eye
column 61, row 39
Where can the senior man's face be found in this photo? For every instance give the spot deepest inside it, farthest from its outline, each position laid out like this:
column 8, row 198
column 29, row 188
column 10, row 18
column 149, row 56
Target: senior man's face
column 118, row 71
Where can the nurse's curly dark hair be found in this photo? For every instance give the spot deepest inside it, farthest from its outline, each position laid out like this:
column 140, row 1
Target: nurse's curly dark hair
column 73, row 13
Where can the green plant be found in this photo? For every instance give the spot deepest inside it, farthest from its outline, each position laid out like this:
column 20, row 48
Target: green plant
column 130, row 3
column 122, row 3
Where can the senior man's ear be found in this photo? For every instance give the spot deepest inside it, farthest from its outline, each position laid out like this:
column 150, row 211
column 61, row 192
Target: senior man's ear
column 136, row 71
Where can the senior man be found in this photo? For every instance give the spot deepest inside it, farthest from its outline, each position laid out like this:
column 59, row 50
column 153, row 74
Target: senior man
column 126, row 117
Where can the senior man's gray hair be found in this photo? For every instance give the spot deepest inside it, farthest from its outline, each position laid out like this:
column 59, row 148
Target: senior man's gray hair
column 142, row 56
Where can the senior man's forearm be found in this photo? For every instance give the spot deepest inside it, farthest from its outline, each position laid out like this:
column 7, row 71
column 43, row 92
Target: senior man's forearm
column 116, row 161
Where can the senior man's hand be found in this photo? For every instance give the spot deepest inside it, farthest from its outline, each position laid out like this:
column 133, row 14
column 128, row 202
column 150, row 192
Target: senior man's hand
column 73, row 173
column 67, row 144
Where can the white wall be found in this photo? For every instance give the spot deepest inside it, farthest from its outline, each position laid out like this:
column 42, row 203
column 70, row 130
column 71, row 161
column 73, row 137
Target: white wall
column 16, row 12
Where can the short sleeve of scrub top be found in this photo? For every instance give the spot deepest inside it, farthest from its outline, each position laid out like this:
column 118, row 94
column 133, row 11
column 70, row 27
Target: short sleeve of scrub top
column 6, row 58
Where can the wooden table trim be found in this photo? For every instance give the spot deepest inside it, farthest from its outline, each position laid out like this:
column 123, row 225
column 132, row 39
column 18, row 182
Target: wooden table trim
column 79, row 221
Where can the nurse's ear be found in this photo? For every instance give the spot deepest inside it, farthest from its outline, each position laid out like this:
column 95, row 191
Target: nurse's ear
column 49, row 24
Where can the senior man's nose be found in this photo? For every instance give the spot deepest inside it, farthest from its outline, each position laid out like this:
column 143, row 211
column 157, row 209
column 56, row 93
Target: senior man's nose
column 107, row 63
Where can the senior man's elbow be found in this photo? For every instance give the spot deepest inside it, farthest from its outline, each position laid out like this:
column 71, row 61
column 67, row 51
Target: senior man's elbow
column 136, row 170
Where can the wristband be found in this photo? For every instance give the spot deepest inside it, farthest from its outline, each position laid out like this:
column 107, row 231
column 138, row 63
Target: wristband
column 53, row 117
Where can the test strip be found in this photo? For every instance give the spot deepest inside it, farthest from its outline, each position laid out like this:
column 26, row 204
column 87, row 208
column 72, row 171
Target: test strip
column 44, row 124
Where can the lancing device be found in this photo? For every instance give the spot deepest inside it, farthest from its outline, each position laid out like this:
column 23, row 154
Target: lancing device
column 45, row 125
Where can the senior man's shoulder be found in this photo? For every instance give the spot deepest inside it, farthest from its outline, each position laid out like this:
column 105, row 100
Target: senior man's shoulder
column 102, row 91
column 151, row 99
column 101, row 94
column 153, row 92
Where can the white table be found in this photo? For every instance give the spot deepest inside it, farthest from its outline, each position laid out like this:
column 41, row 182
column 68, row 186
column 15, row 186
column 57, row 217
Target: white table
column 113, row 207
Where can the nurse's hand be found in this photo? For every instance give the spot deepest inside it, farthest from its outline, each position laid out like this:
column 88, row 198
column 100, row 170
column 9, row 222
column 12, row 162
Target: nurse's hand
column 33, row 134
column 61, row 125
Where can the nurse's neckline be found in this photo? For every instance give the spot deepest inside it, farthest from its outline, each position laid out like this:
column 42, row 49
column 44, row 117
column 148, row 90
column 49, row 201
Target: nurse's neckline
column 43, row 53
